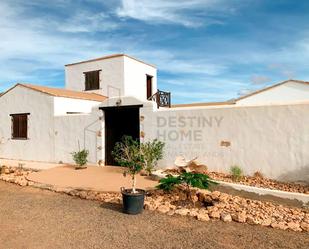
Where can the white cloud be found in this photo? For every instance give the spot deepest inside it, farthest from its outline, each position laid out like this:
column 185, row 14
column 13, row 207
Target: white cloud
column 85, row 21
column 174, row 11
column 29, row 43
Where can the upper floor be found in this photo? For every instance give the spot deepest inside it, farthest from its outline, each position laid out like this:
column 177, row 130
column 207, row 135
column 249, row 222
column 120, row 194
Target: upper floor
column 113, row 76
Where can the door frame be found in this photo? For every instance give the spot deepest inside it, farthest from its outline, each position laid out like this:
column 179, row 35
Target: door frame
column 115, row 108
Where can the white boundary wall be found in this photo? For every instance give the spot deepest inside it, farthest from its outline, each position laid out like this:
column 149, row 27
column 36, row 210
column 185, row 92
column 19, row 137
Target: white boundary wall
column 74, row 132
column 273, row 139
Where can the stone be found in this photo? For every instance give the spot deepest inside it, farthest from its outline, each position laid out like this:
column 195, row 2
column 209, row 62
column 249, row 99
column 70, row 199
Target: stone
column 182, row 196
column 252, row 221
column 163, row 209
column 171, row 212
column 193, row 213
column 224, row 197
column 266, row 222
column 304, row 226
column 294, row 226
column 203, row 217
column 226, row 217
column 215, row 195
column 182, row 211
column 197, row 168
column 240, row 217
column 23, row 183
column 214, row 214
column 82, row 194
column 279, row 225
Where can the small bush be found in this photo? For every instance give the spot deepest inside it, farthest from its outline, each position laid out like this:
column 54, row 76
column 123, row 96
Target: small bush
column 189, row 180
column 236, row 173
column 80, row 157
column 152, row 152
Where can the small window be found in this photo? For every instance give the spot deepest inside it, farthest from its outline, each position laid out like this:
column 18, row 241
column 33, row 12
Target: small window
column 92, row 80
column 149, row 86
column 19, row 126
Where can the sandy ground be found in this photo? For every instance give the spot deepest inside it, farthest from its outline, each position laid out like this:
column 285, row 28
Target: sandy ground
column 105, row 178
column 34, row 218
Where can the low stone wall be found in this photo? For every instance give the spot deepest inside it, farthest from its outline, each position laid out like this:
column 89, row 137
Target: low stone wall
column 204, row 205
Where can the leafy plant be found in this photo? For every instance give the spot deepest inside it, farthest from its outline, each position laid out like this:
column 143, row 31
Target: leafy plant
column 236, row 172
column 80, row 157
column 128, row 154
column 188, row 179
column 152, row 152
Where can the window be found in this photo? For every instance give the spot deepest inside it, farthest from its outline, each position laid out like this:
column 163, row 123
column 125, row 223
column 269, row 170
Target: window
column 92, row 80
column 149, row 86
column 19, row 126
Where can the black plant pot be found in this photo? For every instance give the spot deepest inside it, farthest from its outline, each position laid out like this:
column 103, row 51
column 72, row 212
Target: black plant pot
column 133, row 203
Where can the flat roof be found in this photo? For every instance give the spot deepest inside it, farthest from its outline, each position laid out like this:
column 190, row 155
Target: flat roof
column 203, row 104
column 110, row 57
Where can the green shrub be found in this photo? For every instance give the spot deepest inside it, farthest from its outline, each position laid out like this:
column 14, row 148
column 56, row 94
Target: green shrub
column 128, row 154
column 80, row 157
column 189, row 180
column 152, row 152
column 236, row 172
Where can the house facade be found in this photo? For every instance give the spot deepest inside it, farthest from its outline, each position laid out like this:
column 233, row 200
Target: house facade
column 117, row 95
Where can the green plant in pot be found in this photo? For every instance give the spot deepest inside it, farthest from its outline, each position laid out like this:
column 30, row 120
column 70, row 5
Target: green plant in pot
column 128, row 154
column 80, row 158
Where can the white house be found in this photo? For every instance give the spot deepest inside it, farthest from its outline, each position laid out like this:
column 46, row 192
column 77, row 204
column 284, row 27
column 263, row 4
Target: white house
column 284, row 92
column 117, row 95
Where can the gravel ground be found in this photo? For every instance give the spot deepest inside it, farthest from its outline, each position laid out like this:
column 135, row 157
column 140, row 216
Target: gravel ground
column 34, row 218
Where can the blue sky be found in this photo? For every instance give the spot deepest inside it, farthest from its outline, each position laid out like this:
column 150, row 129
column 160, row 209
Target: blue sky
column 205, row 50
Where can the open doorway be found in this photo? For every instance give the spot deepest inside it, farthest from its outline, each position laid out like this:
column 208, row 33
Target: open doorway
column 119, row 121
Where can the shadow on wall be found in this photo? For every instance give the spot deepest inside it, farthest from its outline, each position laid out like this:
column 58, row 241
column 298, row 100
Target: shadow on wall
column 298, row 176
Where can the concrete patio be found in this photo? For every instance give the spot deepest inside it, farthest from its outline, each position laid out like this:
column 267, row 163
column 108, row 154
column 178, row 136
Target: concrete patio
column 99, row 178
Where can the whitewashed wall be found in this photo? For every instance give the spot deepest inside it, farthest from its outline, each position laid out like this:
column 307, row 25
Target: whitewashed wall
column 135, row 78
column 111, row 76
column 120, row 76
column 271, row 139
column 39, row 146
column 76, row 131
column 63, row 105
column 288, row 92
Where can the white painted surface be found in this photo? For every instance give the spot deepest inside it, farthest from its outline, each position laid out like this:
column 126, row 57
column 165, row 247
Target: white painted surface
column 39, row 146
column 63, row 105
column 120, row 76
column 74, row 132
column 288, row 92
column 111, row 76
column 273, row 139
column 50, row 138
column 304, row 198
column 135, row 75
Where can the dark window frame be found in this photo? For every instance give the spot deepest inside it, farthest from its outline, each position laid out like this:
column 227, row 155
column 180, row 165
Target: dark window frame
column 21, row 121
column 149, row 93
column 92, row 80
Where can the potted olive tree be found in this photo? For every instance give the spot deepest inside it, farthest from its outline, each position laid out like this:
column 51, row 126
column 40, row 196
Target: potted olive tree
column 128, row 154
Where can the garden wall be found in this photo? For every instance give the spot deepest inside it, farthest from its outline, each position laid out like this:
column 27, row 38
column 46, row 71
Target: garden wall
column 273, row 139
column 78, row 130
